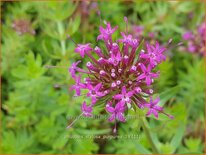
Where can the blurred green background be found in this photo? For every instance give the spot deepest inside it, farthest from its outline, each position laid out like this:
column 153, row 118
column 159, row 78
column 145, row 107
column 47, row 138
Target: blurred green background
column 36, row 101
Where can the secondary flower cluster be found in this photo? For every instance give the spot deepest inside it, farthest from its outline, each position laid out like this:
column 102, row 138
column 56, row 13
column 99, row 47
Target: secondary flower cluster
column 139, row 32
column 196, row 40
column 22, row 26
column 122, row 74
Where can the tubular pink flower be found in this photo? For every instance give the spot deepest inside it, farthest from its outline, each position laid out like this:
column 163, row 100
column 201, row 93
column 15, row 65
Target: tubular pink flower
column 78, row 86
column 106, row 33
column 115, row 59
column 86, row 109
column 147, row 74
column 124, row 96
column 153, row 107
column 154, row 54
column 116, row 112
column 94, row 92
column 82, row 49
column 73, row 69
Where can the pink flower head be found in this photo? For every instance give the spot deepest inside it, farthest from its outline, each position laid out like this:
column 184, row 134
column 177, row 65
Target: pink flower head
column 115, row 59
column 78, row 86
column 147, row 74
column 94, row 92
column 82, row 49
column 116, row 112
column 153, row 107
column 106, row 33
column 154, row 54
column 86, row 109
column 73, row 69
column 195, row 40
column 127, row 39
column 118, row 75
column 124, row 96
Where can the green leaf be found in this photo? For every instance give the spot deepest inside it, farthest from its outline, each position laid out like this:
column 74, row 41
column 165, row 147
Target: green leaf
column 61, row 141
column 194, row 145
column 73, row 25
column 185, row 7
column 166, row 148
column 32, row 69
column 176, row 140
column 139, row 47
column 84, row 146
column 17, row 143
column 51, row 49
column 142, row 149
column 57, row 11
column 168, row 94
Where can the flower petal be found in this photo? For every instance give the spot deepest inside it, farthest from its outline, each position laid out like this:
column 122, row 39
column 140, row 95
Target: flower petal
column 149, row 112
column 78, row 91
column 120, row 117
column 148, row 80
column 155, row 113
column 84, row 106
column 156, row 100
column 158, row 108
column 118, row 96
column 130, row 93
column 110, row 109
column 142, row 76
column 143, row 68
column 111, row 118
column 86, row 114
column 94, row 99
column 98, row 86
column 124, row 90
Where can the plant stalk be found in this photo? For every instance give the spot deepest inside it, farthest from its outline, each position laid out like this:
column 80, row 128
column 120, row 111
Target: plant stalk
column 61, row 32
column 149, row 136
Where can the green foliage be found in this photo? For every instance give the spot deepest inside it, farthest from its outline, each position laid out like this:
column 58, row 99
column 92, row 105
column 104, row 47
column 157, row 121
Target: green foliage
column 176, row 140
column 166, row 78
column 193, row 87
column 37, row 104
column 23, row 145
column 193, row 145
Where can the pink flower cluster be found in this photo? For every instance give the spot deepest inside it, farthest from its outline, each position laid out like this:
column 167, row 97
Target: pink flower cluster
column 123, row 74
column 196, row 40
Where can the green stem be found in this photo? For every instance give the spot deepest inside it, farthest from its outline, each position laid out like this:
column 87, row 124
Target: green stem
column 149, row 136
column 62, row 41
